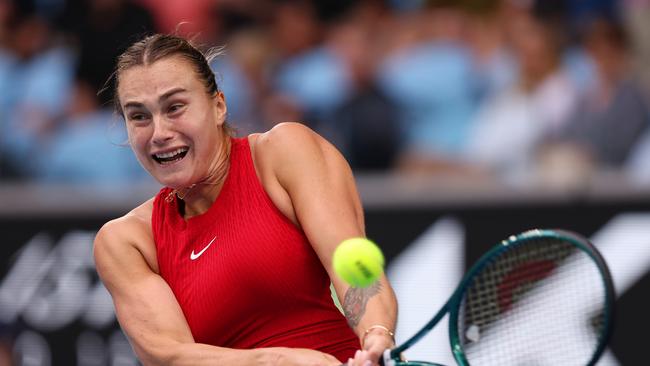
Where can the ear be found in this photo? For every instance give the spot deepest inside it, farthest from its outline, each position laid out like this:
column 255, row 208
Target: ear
column 219, row 102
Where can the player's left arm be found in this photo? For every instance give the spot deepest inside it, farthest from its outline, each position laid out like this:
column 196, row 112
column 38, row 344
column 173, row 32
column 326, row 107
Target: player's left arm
column 325, row 200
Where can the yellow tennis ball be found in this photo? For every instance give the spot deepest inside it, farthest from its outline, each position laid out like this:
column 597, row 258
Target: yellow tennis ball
column 358, row 261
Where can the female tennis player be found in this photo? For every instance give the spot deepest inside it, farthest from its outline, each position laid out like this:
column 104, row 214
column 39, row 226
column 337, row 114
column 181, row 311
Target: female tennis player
column 231, row 262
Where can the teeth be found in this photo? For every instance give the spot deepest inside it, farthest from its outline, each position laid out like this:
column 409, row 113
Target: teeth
column 171, row 154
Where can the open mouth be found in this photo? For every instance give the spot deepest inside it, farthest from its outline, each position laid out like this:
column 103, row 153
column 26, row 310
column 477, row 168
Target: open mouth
column 171, row 156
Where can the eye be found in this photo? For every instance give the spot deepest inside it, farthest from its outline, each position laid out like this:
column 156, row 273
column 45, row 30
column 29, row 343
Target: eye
column 174, row 108
column 138, row 117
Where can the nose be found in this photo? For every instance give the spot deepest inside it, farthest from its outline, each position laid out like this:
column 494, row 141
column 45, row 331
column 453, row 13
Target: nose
column 162, row 131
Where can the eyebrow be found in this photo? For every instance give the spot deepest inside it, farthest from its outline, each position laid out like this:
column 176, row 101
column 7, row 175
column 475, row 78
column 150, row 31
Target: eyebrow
column 162, row 98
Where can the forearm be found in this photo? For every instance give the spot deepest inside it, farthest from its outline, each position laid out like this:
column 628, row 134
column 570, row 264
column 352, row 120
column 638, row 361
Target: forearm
column 202, row 354
column 372, row 306
column 197, row 354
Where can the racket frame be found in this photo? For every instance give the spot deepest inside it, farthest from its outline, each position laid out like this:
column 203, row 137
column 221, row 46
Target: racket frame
column 452, row 306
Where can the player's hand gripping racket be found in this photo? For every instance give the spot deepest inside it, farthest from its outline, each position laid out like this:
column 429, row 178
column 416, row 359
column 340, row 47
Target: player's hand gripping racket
column 544, row 297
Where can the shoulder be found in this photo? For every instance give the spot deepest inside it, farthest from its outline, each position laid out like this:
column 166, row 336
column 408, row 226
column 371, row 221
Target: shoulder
column 137, row 219
column 291, row 141
column 287, row 134
column 125, row 234
column 293, row 152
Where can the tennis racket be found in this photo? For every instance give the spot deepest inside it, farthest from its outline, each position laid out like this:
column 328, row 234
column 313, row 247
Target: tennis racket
column 543, row 297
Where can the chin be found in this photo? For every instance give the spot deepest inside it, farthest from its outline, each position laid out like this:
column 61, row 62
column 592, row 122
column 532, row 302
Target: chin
column 175, row 180
column 175, row 184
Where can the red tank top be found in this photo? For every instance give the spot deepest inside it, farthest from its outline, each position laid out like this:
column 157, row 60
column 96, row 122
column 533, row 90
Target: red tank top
column 244, row 274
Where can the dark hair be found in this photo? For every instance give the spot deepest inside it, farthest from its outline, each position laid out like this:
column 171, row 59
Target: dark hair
column 607, row 29
column 159, row 46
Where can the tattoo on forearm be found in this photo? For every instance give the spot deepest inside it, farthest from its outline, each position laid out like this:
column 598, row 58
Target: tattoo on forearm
column 354, row 303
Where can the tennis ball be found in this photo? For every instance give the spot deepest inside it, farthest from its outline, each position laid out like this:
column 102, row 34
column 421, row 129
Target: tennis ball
column 358, row 261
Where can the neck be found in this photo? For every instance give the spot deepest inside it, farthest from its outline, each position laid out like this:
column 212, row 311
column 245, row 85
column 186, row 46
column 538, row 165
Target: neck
column 198, row 197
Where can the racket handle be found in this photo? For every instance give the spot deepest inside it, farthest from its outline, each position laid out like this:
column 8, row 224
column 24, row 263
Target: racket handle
column 386, row 359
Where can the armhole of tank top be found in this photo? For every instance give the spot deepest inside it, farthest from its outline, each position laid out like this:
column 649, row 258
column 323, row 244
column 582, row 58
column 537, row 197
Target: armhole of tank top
column 156, row 212
column 251, row 158
column 260, row 185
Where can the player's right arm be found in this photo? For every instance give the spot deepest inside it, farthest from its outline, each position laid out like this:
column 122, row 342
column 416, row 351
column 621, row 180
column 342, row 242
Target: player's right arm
column 150, row 314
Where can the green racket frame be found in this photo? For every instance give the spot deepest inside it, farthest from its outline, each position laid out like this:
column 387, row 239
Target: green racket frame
column 452, row 306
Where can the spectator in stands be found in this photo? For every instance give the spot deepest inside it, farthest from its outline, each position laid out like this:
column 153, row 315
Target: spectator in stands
column 196, row 17
column 81, row 145
column 242, row 73
column 510, row 124
column 428, row 74
column 35, row 79
column 365, row 126
column 102, row 30
column 636, row 15
column 308, row 74
column 485, row 35
column 611, row 117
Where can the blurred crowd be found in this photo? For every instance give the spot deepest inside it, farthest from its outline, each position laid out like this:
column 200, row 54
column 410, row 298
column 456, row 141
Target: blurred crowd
column 519, row 91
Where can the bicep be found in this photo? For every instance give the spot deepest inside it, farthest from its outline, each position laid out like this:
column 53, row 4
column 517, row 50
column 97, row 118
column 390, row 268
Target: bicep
column 322, row 190
column 145, row 305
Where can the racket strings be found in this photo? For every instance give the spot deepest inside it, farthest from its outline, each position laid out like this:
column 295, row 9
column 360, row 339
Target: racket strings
column 488, row 294
column 538, row 303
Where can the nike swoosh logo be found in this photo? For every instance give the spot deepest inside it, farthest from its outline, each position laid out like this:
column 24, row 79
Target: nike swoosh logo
column 194, row 256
